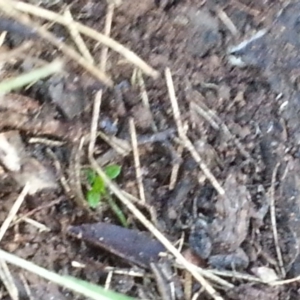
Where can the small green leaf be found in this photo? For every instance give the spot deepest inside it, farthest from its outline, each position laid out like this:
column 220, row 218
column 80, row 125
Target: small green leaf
column 90, row 175
column 113, row 171
column 93, row 198
column 99, row 186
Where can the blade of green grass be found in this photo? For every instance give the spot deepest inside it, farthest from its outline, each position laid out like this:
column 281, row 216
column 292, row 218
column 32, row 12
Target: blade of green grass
column 11, row 84
column 117, row 210
column 85, row 288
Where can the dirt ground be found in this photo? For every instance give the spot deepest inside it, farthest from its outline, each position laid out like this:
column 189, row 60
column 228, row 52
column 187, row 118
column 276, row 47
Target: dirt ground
column 243, row 122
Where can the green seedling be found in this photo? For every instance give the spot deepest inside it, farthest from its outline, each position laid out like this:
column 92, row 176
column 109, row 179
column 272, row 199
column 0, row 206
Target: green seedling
column 98, row 191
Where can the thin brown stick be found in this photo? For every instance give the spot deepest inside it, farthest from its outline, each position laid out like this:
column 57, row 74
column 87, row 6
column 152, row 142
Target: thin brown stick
column 175, row 169
column 77, row 37
column 13, row 211
column 185, row 140
column 107, row 29
column 274, row 223
column 137, row 163
column 32, row 212
column 52, row 39
column 286, row 281
column 217, row 124
column 227, row 22
column 94, row 123
column 176, row 166
column 108, row 280
column 41, row 227
column 144, row 96
column 26, row 287
column 197, row 294
column 212, row 276
column 45, row 141
column 109, row 42
column 235, row 275
column 122, row 147
column 8, row 281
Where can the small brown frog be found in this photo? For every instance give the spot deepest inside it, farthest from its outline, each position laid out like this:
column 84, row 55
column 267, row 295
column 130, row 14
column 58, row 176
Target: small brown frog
column 220, row 240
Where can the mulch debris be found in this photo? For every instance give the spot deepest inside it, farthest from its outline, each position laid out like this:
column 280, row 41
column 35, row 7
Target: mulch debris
column 244, row 123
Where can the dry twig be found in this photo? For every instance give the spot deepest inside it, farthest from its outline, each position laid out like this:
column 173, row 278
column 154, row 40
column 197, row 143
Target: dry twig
column 227, row 22
column 137, row 164
column 217, row 124
column 9, row 9
column 15, row 208
column 5, row 274
column 274, row 223
column 8, row 281
column 51, row 16
column 77, row 37
column 107, row 29
column 185, row 140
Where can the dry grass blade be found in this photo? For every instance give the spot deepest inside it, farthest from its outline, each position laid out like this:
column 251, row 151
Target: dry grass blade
column 137, row 164
column 274, row 223
column 41, row 227
column 122, row 147
column 185, row 140
column 212, row 276
column 48, row 36
column 176, row 166
column 77, row 38
column 26, row 287
column 109, row 42
column 5, row 274
column 283, row 282
column 32, row 212
column 5, row 225
column 107, row 29
column 8, row 281
column 236, row 275
column 175, row 169
column 108, row 280
column 144, row 96
column 94, row 124
column 217, row 124
column 227, row 22
column 163, row 286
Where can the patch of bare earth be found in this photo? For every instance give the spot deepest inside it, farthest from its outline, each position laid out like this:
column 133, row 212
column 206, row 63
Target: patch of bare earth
column 222, row 183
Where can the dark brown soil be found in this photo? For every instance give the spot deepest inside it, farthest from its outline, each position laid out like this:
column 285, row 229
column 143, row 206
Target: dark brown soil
column 259, row 104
